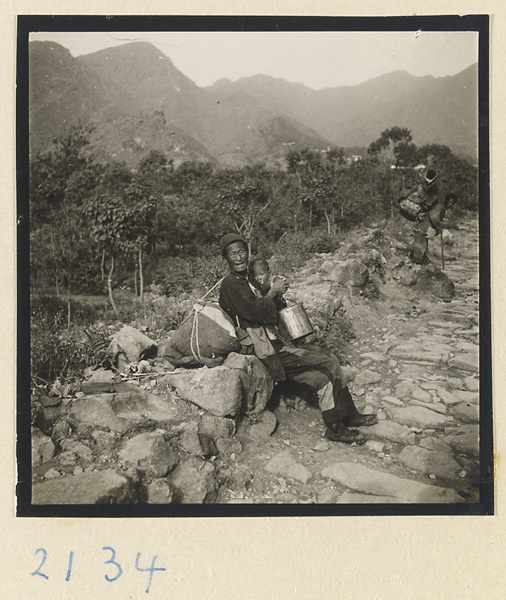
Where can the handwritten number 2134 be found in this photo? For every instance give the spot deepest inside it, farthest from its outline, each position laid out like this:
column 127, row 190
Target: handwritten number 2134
column 115, row 572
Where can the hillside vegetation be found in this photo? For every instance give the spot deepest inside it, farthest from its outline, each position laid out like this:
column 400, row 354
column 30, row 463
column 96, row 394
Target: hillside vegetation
column 101, row 229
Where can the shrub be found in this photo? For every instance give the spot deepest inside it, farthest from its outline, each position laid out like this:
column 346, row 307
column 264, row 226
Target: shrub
column 55, row 351
column 192, row 274
column 321, row 242
column 293, row 251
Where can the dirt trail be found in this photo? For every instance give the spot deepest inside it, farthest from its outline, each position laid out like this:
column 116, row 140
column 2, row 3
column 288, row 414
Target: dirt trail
column 415, row 363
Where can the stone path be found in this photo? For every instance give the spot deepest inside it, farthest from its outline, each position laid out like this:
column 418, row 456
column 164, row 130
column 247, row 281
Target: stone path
column 416, row 365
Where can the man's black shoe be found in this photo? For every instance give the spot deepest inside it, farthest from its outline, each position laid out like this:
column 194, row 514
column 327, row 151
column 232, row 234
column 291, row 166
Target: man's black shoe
column 338, row 432
column 360, row 420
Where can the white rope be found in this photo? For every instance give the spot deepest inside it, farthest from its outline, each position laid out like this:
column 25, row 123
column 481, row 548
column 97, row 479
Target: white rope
column 194, row 337
column 213, row 288
column 204, row 296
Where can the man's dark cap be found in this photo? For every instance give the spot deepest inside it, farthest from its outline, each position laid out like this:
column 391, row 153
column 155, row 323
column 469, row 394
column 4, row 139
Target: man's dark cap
column 230, row 238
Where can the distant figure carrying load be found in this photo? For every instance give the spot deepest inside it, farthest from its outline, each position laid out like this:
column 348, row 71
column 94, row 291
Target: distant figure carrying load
column 422, row 206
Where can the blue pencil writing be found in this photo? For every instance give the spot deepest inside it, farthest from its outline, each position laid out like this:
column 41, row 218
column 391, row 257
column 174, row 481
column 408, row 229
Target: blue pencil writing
column 111, row 561
column 37, row 570
column 150, row 569
column 71, row 558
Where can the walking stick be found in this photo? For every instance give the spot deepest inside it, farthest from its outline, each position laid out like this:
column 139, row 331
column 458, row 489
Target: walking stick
column 442, row 251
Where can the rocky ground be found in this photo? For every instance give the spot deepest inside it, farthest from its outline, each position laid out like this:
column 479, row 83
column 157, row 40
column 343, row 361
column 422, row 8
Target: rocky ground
column 414, row 361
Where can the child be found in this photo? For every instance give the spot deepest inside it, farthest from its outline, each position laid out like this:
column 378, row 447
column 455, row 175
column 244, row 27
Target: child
column 260, row 280
column 260, row 277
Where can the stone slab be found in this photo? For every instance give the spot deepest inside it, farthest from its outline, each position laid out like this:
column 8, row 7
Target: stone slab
column 159, row 492
column 389, row 430
column 441, row 464
column 285, row 464
column 439, row 408
column 97, row 411
column 137, row 405
column 469, row 413
column 472, row 383
column 375, row 356
column 354, row 498
column 393, row 400
column 422, row 395
column 95, row 487
column 449, row 398
column 367, row 377
column 469, row 397
column 417, row 416
column 468, row 361
column 369, row 481
column 467, row 441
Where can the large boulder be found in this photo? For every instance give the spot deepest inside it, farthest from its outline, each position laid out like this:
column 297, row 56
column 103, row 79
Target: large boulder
column 132, row 343
column 95, row 487
column 264, row 426
column 242, row 383
column 193, row 482
column 159, row 492
column 217, row 390
column 43, row 448
column 191, row 440
column 119, row 410
column 217, row 427
column 432, row 280
column 351, row 272
column 404, row 274
column 257, row 384
column 151, row 453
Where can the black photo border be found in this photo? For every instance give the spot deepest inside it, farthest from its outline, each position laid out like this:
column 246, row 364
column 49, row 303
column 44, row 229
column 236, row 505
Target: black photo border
column 64, row 23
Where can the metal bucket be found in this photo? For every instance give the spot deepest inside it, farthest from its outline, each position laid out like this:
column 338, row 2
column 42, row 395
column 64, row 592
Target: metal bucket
column 295, row 321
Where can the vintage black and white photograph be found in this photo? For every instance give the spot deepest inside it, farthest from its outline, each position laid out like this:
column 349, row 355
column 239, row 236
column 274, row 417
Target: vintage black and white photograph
column 256, row 273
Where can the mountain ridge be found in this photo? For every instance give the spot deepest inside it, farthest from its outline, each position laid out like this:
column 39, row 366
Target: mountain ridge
column 235, row 122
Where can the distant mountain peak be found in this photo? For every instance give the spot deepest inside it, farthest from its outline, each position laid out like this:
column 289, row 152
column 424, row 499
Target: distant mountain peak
column 255, row 117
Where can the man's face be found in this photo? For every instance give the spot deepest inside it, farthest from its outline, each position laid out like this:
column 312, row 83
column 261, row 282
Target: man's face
column 237, row 257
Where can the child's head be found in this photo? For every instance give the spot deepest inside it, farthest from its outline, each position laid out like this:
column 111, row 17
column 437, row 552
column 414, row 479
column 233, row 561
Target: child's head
column 260, row 274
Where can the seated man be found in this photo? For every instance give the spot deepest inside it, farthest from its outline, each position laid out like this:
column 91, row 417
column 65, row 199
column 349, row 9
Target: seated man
column 308, row 366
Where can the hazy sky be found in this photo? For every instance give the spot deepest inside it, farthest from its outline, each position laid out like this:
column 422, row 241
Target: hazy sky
column 317, row 59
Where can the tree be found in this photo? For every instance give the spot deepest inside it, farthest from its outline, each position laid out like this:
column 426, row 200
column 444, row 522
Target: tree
column 244, row 199
column 112, row 224
column 392, row 146
column 307, row 167
column 60, row 181
column 143, row 197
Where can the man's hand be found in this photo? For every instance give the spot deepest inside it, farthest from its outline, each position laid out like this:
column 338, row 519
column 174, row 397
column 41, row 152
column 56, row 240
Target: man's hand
column 431, row 233
column 278, row 287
